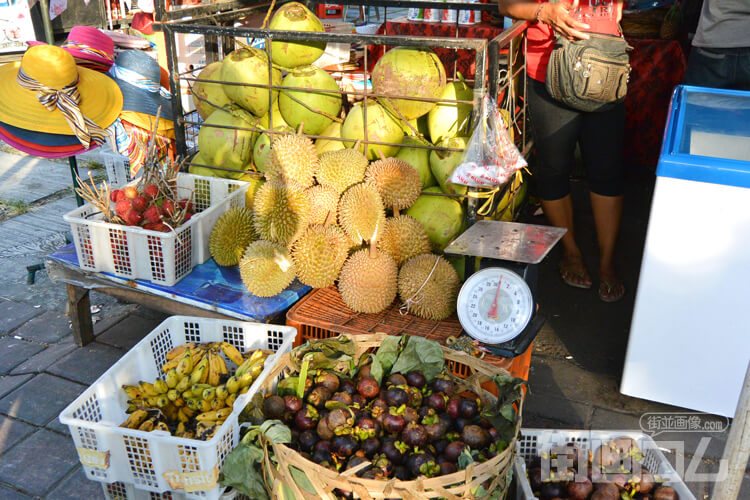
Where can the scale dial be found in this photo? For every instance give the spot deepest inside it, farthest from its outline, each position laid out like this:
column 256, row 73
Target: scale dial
column 494, row 305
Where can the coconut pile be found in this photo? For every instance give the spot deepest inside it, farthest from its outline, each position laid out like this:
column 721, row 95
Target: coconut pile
column 345, row 212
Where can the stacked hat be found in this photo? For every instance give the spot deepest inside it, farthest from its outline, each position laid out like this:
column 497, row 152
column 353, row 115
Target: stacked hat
column 90, row 47
column 52, row 108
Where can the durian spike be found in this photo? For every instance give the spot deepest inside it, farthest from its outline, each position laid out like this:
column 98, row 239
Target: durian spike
column 382, row 157
column 331, row 218
column 374, row 242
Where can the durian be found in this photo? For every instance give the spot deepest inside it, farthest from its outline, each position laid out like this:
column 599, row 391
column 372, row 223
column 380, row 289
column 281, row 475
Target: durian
column 266, row 268
column 341, row 169
column 281, row 211
column 398, row 183
column 403, row 237
column 323, row 202
column 292, row 158
column 368, row 281
column 231, row 234
column 319, row 254
column 361, row 212
column 428, row 286
column 255, row 184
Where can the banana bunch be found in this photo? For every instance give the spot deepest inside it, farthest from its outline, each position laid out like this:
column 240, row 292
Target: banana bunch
column 196, row 394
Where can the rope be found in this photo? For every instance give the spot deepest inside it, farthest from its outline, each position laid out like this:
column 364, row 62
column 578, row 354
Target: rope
column 404, row 309
column 489, row 196
column 268, row 15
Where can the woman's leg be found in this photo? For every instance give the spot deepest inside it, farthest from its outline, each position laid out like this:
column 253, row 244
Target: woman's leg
column 556, row 128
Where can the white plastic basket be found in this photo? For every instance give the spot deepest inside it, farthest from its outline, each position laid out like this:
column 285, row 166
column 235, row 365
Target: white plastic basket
column 532, row 442
column 122, row 491
column 117, row 167
column 136, row 253
column 110, row 453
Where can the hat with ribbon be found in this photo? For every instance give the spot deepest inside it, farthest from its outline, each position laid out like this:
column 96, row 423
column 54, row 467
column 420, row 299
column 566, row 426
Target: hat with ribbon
column 48, row 93
column 37, row 149
column 40, row 138
column 89, row 46
column 138, row 76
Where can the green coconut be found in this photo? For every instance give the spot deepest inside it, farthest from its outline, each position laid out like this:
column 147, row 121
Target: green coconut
column 209, row 96
column 295, row 17
column 249, row 65
column 381, row 127
column 278, row 119
column 323, row 145
column 418, row 158
column 448, row 120
column 227, row 147
column 412, row 72
column 442, row 164
column 311, row 107
column 262, row 148
column 442, row 217
column 197, row 167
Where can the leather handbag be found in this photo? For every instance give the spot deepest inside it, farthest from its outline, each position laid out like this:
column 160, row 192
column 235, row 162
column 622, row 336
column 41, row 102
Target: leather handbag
column 589, row 75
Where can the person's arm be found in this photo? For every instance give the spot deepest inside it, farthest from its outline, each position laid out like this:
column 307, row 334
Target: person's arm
column 557, row 15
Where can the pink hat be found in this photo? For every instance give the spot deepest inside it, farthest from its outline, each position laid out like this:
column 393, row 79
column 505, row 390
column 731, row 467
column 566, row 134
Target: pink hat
column 42, row 151
column 88, row 45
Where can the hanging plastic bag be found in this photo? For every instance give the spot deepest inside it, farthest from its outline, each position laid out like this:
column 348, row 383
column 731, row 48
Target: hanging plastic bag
column 490, row 158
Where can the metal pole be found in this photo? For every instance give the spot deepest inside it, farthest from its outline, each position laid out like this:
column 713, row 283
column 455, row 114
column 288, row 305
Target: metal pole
column 737, row 449
column 48, row 36
column 74, row 174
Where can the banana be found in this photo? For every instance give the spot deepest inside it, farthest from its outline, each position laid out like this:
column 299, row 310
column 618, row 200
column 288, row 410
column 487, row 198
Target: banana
column 180, row 429
column 189, row 412
column 245, row 380
column 147, row 425
column 162, row 401
column 218, row 368
column 197, row 390
column 160, row 386
column 172, row 378
column 182, row 417
column 185, row 366
column 232, row 353
column 244, row 389
column 204, row 405
column 132, row 391
column 189, row 435
column 256, row 370
column 230, row 400
column 152, row 402
column 193, row 403
column 233, row 385
column 161, row 426
column 135, row 419
column 180, row 349
column 131, row 408
column 212, row 375
column 147, row 389
column 183, row 385
column 256, row 355
column 173, row 395
column 204, row 430
column 199, row 373
column 217, row 404
column 222, row 392
column 209, row 394
column 136, row 402
column 170, row 411
column 214, row 415
column 179, row 402
column 243, row 368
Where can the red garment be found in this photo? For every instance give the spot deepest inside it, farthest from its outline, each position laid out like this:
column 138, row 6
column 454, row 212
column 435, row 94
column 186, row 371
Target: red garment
column 541, row 37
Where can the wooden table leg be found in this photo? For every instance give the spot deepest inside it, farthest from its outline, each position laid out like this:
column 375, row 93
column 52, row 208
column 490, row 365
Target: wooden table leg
column 80, row 314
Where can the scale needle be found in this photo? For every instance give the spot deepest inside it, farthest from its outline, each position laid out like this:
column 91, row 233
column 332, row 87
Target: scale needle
column 492, row 313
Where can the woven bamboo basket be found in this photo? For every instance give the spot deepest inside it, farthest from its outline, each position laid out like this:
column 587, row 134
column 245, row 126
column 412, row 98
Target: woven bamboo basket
column 457, row 486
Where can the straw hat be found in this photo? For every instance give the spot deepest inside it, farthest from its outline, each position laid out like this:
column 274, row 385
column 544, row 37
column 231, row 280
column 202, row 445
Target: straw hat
column 138, row 76
column 40, row 138
column 37, row 147
column 89, row 46
column 58, row 82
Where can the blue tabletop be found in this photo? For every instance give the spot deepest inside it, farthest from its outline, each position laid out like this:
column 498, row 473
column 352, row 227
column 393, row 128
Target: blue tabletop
column 208, row 286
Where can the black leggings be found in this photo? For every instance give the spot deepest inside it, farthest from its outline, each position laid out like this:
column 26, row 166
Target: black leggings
column 557, row 128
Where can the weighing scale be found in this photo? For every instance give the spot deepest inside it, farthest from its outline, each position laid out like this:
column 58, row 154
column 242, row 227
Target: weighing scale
column 496, row 303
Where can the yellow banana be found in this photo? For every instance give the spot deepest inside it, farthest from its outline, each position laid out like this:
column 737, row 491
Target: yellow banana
column 160, row 386
column 162, row 401
column 147, row 389
column 170, row 411
column 199, row 373
column 193, row 403
column 131, row 408
column 152, row 402
column 222, row 392
column 232, row 353
column 180, row 349
column 179, row 402
column 256, row 370
column 173, row 395
column 185, row 366
column 189, row 435
column 132, row 391
column 214, row 415
column 161, row 426
column 183, row 385
column 135, row 419
column 180, row 429
column 233, row 385
column 172, row 378
column 204, row 430
column 204, row 405
column 182, row 416
column 147, row 425
column 212, row 375
column 244, row 389
column 208, row 394
column 136, row 402
column 189, row 412
column 245, row 380
column 197, row 390
column 230, row 400
column 256, row 355
column 217, row 404
column 243, row 367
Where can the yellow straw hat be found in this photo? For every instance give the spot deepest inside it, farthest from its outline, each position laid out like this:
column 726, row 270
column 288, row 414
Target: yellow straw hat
column 54, row 68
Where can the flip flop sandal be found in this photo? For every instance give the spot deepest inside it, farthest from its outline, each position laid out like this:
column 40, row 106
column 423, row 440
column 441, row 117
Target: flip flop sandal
column 611, row 292
column 573, row 277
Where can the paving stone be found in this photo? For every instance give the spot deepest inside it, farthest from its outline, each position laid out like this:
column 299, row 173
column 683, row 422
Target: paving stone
column 128, row 332
column 47, row 328
column 10, row 494
column 607, row 419
column 12, row 431
column 14, row 351
column 86, row 364
column 560, row 410
column 42, row 360
column 9, row 383
column 36, row 464
column 77, row 486
column 40, row 399
column 14, row 314
column 55, row 425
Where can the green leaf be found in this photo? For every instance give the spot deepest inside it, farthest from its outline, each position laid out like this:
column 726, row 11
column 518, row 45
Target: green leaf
column 301, row 479
column 388, row 352
column 502, row 415
column 376, row 370
column 464, row 459
column 276, row 432
column 240, row 472
column 303, row 376
column 422, row 355
column 287, row 387
column 330, row 354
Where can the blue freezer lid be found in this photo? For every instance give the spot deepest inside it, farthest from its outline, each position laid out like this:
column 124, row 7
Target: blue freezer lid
column 707, row 137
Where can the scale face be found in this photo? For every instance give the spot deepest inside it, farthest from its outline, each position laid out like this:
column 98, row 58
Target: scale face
column 495, row 305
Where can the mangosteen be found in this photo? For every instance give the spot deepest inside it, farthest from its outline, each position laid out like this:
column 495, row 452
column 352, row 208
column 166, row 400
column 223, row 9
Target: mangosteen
column 382, row 463
column 273, row 407
column 605, row 494
column 414, row 435
column 494, row 434
column 444, row 385
column 453, row 450
column 394, row 450
column 323, row 430
column 421, row 463
column 468, row 408
column 551, row 489
column 400, row 473
column 307, row 440
column 355, row 460
column 434, row 427
column 306, row 418
column 344, row 494
column 580, row 490
column 365, row 428
column 322, row 457
column 618, row 479
column 396, row 379
column 368, row 387
column 410, row 415
column 608, row 487
column 293, row 404
column 665, row 493
column 344, row 446
column 416, row 379
column 440, row 445
column 436, row 401
column 415, row 396
column 318, row 396
column 448, row 468
column 393, row 424
column 348, row 386
column 645, row 482
column 461, row 423
column 364, row 371
column 452, row 407
column 474, row 436
column 342, row 397
column 535, row 478
column 423, row 411
column 329, row 380
column 395, row 397
column 447, row 420
column 370, row 446
column 323, row 445
column 359, row 400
